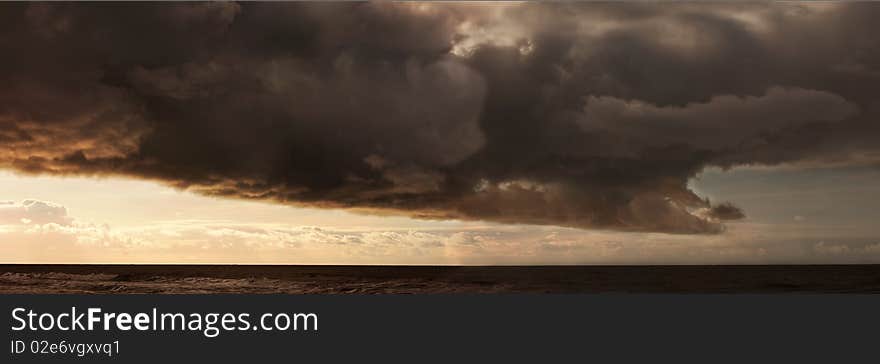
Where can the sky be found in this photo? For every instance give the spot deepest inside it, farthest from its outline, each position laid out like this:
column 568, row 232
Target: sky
column 438, row 133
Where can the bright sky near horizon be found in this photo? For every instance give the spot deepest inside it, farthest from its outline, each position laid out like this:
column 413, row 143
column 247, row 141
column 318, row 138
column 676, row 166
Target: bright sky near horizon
column 116, row 220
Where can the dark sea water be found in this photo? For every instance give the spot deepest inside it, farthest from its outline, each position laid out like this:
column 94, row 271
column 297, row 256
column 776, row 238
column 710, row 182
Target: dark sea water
column 438, row 279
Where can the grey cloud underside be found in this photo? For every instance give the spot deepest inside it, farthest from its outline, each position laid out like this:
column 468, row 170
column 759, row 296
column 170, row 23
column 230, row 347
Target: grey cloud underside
column 585, row 115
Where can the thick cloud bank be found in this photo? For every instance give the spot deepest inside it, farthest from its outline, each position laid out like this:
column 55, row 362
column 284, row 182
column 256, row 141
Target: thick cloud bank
column 583, row 115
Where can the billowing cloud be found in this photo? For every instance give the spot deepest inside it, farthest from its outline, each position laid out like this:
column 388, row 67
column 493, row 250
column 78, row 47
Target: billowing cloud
column 726, row 211
column 581, row 115
column 32, row 211
column 722, row 122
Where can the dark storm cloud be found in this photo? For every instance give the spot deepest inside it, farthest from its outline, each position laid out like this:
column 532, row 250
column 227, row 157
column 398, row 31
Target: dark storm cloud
column 585, row 115
column 726, row 211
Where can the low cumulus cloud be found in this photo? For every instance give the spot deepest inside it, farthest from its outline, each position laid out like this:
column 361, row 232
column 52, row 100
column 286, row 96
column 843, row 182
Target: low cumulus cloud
column 847, row 249
column 33, row 211
column 580, row 115
column 41, row 231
